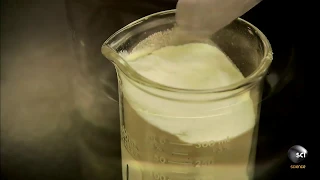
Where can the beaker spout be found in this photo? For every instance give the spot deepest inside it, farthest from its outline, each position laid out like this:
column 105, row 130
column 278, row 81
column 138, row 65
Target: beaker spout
column 120, row 63
column 112, row 55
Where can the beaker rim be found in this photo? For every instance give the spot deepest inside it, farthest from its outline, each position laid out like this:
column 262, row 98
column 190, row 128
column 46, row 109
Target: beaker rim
column 254, row 77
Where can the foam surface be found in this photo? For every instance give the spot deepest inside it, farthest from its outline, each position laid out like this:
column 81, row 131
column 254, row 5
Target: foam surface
column 192, row 66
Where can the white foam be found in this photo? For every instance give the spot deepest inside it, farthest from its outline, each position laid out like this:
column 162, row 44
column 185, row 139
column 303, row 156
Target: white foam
column 192, row 66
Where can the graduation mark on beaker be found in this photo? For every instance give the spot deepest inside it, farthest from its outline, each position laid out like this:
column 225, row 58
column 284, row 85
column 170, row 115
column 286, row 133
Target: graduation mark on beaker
column 200, row 163
column 161, row 140
column 180, row 144
column 180, row 154
column 158, row 176
column 127, row 172
column 180, row 163
column 129, row 143
column 163, row 160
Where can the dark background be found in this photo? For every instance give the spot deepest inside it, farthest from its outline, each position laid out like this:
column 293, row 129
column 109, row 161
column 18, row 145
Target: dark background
column 51, row 130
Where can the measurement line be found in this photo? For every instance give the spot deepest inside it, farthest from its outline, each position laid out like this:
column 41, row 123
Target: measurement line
column 180, row 144
column 179, row 172
column 183, row 163
column 180, row 154
column 127, row 172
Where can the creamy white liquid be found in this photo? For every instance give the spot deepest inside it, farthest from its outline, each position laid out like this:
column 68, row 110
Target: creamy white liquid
column 190, row 66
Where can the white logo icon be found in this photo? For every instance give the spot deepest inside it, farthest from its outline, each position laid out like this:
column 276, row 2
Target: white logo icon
column 300, row 155
column 297, row 154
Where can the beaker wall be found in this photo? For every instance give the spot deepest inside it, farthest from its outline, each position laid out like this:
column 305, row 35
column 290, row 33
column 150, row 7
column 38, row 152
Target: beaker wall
column 225, row 145
column 172, row 134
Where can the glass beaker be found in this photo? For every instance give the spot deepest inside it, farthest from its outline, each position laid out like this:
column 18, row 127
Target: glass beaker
column 155, row 118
